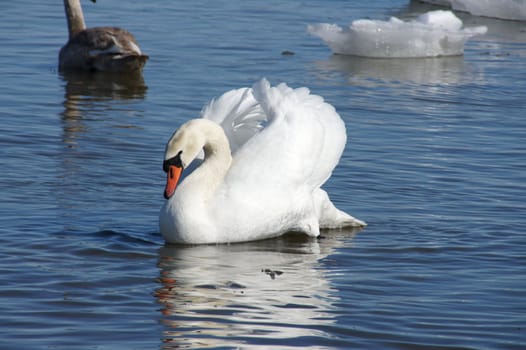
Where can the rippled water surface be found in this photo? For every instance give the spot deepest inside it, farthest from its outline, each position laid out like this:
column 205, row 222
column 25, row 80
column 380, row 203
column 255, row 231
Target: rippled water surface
column 436, row 164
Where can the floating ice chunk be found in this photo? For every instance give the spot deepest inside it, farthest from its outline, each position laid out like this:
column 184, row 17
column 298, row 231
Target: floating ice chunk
column 441, row 19
column 503, row 9
column 435, row 33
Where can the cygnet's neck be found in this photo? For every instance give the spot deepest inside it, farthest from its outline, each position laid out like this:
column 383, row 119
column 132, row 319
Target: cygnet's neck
column 74, row 17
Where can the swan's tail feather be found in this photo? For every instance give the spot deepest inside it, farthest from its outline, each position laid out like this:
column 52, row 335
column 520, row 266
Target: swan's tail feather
column 331, row 217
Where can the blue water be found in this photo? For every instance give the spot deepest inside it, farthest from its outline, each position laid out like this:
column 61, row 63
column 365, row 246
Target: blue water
column 435, row 163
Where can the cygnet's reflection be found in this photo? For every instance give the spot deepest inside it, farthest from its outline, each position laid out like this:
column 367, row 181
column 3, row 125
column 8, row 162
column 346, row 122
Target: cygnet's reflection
column 89, row 94
column 227, row 295
column 101, row 113
column 103, row 85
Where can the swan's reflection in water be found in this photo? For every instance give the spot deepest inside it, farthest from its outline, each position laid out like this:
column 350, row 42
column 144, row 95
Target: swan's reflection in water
column 273, row 292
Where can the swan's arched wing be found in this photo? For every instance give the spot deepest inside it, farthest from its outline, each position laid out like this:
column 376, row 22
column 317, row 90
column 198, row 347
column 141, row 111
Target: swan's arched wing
column 300, row 145
column 238, row 113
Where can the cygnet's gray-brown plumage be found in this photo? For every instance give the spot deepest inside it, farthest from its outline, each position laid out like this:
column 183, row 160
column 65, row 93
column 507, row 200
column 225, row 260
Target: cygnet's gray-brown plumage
column 108, row 49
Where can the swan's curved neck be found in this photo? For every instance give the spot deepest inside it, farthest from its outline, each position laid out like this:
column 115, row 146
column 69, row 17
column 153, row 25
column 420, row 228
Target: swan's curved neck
column 215, row 165
column 74, row 17
column 203, row 182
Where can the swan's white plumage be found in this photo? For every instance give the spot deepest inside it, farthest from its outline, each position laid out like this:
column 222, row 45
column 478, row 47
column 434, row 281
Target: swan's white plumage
column 238, row 113
column 285, row 143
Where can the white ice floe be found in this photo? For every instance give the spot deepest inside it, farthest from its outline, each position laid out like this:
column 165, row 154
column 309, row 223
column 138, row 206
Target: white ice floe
column 435, row 33
column 503, row 9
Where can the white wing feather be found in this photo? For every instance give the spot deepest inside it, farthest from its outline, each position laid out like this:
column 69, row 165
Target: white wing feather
column 238, row 113
column 300, row 145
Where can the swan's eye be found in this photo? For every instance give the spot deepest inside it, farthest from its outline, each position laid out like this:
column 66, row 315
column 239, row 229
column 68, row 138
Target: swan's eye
column 176, row 161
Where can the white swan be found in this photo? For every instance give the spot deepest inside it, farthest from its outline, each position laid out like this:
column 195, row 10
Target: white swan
column 108, row 49
column 267, row 151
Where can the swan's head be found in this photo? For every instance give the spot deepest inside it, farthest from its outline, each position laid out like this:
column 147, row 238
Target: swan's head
column 186, row 144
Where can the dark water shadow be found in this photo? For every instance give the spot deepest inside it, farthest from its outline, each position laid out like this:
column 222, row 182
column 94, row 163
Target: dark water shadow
column 238, row 294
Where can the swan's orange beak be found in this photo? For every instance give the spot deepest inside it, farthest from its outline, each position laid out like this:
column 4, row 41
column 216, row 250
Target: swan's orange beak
column 173, row 175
